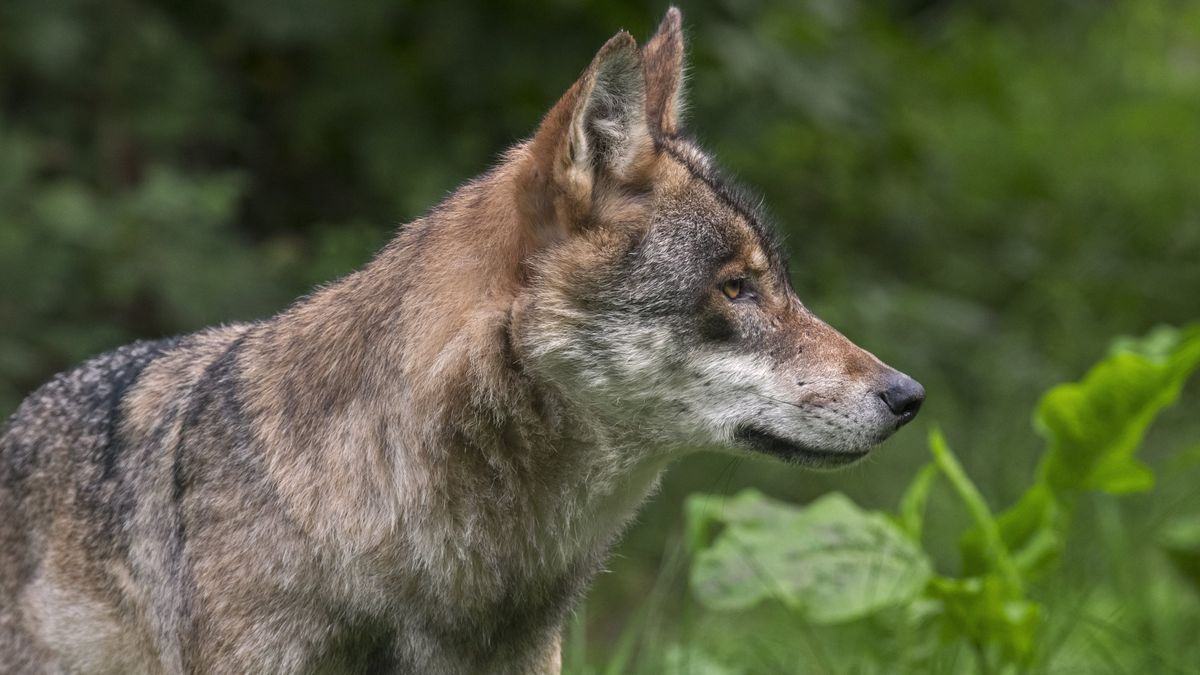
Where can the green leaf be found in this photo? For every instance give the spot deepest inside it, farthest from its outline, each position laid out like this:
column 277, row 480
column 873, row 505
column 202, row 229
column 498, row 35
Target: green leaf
column 912, row 504
column 987, row 611
column 1093, row 427
column 830, row 562
column 1031, row 530
column 705, row 513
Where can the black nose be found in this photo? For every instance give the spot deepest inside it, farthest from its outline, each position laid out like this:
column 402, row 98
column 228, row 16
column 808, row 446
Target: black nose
column 903, row 396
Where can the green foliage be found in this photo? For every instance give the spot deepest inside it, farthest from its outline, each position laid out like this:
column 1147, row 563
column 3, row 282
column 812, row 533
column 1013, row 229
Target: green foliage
column 989, row 609
column 1000, row 623
column 829, row 562
column 832, row 561
column 1093, row 427
column 1031, row 529
column 1092, row 430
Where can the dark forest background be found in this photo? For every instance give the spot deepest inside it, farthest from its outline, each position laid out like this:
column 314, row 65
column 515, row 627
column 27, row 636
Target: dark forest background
column 982, row 193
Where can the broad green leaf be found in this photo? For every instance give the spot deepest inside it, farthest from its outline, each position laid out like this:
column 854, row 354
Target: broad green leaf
column 706, row 512
column 831, row 561
column 1093, row 427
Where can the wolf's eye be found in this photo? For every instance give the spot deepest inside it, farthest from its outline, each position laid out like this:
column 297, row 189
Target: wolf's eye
column 733, row 288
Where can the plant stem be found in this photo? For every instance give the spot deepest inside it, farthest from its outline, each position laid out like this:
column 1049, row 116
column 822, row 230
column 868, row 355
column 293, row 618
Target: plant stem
column 944, row 457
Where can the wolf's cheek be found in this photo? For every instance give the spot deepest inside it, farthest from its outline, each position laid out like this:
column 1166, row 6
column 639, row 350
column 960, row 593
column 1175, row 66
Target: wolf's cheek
column 726, row 389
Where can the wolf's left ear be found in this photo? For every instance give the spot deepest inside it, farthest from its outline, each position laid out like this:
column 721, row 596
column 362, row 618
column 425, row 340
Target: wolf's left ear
column 599, row 125
column 662, row 61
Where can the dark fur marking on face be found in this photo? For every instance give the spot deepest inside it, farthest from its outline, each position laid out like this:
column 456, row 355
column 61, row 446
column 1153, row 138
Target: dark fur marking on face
column 717, row 326
column 737, row 199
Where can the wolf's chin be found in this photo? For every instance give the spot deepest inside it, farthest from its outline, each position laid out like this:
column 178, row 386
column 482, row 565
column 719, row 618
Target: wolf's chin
column 795, row 452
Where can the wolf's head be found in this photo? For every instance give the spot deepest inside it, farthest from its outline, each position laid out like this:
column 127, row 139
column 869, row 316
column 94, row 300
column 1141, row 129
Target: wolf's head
column 657, row 298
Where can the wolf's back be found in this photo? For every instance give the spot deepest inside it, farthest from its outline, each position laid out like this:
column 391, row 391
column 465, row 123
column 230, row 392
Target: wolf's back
column 75, row 416
column 71, row 474
column 58, row 459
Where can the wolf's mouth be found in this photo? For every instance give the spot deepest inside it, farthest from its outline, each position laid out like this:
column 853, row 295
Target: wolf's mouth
column 777, row 446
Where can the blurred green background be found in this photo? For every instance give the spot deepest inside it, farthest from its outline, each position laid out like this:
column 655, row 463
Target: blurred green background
column 982, row 193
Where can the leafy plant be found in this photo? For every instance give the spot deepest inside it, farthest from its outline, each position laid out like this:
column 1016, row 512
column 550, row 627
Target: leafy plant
column 834, row 562
column 837, row 562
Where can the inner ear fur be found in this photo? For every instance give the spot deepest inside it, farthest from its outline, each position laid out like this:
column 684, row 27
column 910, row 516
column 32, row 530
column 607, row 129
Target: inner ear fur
column 608, row 125
column 597, row 132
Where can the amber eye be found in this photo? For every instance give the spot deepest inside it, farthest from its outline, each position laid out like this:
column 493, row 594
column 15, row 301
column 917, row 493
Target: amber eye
column 733, row 288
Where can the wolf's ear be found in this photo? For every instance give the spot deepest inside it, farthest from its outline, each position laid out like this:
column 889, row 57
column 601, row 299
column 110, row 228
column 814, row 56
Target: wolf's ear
column 599, row 126
column 608, row 127
column 662, row 60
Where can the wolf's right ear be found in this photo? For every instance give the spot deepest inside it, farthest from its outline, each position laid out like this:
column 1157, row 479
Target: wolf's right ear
column 597, row 130
column 662, row 60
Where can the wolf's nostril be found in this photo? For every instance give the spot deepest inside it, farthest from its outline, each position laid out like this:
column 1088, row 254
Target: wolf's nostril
column 903, row 396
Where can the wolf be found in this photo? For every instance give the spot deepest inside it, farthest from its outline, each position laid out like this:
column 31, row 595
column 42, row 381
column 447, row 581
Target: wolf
column 420, row 467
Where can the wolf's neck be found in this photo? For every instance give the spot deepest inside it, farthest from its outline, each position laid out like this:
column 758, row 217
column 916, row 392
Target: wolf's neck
column 397, row 390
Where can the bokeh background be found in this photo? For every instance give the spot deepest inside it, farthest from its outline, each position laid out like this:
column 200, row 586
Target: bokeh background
column 982, row 193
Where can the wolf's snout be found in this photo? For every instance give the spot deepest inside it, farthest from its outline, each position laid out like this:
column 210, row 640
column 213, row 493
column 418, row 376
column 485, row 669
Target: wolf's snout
column 903, row 396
